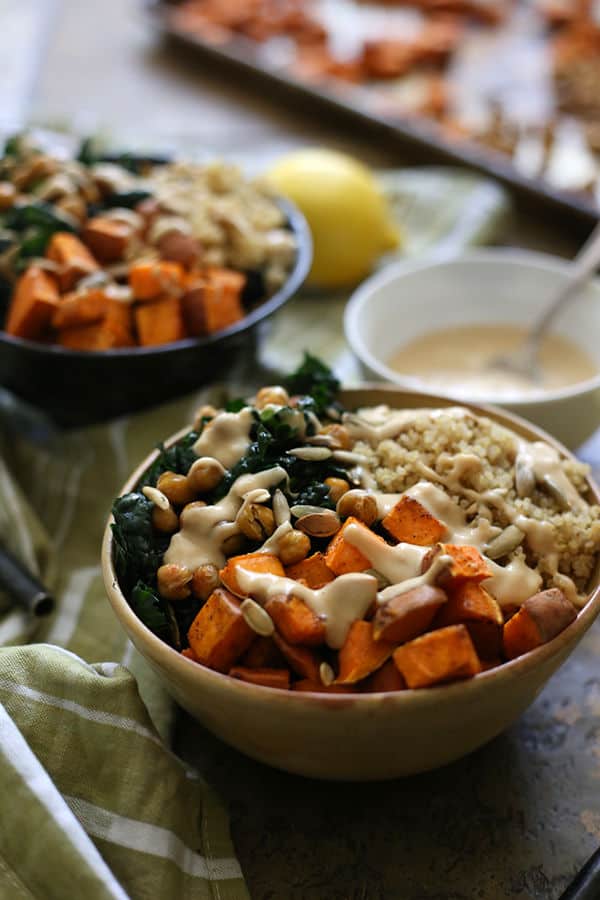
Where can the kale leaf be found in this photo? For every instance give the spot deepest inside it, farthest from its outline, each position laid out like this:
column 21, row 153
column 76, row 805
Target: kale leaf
column 36, row 214
column 177, row 458
column 138, row 547
column 315, row 382
column 156, row 613
column 234, row 406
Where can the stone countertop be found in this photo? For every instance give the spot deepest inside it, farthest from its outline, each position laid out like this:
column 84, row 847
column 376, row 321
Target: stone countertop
column 516, row 819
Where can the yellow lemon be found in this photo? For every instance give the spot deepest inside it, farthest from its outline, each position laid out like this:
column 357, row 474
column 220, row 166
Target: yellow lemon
column 347, row 213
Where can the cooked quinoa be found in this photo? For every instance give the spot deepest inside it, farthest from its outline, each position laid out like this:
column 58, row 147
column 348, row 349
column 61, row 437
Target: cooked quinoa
column 431, row 440
column 237, row 221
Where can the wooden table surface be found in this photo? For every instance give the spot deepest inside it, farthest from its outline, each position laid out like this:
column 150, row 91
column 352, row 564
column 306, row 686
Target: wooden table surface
column 515, row 819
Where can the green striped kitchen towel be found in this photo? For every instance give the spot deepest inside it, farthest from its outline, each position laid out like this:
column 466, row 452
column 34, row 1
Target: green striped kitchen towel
column 94, row 804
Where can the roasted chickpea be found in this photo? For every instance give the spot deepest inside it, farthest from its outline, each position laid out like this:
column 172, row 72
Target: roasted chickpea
column 234, row 545
column 274, row 394
column 340, row 435
column 33, row 170
column 195, row 504
column 165, row 520
column 174, row 582
column 8, row 195
column 205, row 474
column 176, row 487
column 293, row 547
column 337, row 488
column 359, row 504
column 204, row 412
column 73, row 205
column 256, row 522
column 204, row 581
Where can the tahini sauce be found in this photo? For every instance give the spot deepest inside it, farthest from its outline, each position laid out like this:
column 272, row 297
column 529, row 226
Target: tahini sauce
column 456, row 361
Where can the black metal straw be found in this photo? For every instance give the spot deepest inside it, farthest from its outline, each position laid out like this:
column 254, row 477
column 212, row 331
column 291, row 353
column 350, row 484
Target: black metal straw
column 22, row 587
column 586, row 885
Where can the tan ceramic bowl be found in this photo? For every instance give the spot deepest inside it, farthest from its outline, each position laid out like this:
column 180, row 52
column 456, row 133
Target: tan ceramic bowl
column 362, row 736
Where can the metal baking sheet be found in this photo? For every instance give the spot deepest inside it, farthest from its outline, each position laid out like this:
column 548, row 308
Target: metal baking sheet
column 414, row 134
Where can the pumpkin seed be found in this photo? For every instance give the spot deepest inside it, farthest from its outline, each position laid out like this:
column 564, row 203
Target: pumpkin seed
column 319, row 525
column 505, row 543
column 312, row 454
column 556, row 492
column 524, row 478
column 350, row 458
column 281, row 508
column 302, row 509
column 257, row 618
column 157, row 497
column 326, row 674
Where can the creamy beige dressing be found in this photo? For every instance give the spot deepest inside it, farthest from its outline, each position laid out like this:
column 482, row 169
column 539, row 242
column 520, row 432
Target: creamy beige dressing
column 452, row 516
column 226, row 438
column 205, row 528
column 382, row 424
column 338, row 603
column 457, row 361
column 544, row 461
column 512, row 584
column 394, row 563
column 439, row 565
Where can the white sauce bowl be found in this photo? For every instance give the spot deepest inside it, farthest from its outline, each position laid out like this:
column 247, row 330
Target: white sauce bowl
column 511, row 287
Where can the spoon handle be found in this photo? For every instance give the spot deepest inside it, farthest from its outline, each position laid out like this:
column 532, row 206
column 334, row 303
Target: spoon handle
column 584, row 264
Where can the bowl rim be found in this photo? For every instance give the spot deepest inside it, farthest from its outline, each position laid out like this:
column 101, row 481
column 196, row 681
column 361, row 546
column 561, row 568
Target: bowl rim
column 512, row 256
column 295, row 222
column 167, row 657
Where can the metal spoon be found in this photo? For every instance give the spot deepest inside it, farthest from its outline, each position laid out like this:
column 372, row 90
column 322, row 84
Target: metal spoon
column 524, row 360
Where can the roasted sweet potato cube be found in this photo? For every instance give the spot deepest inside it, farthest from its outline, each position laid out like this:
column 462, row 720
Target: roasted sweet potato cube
column 159, row 322
column 152, row 279
column 408, row 614
column 438, row 656
column 189, row 654
column 313, row 571
column 385, row 679
column 470, row 604
column 82, row 308
column 467, row 564
column 361, row 654
column 234, row 281
column 34, row 302
column 118, row 320
column 540, row 619
column 263, row 563
column 73, row 257
column 215, row 303
column 93, row 337
column 302, row 660
column 317, row 687
column 107, row 238
column 273, row 678
column 263, row 653
column 409, row 522
column 342, row 556
column 295, row 621
column 219, row 634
